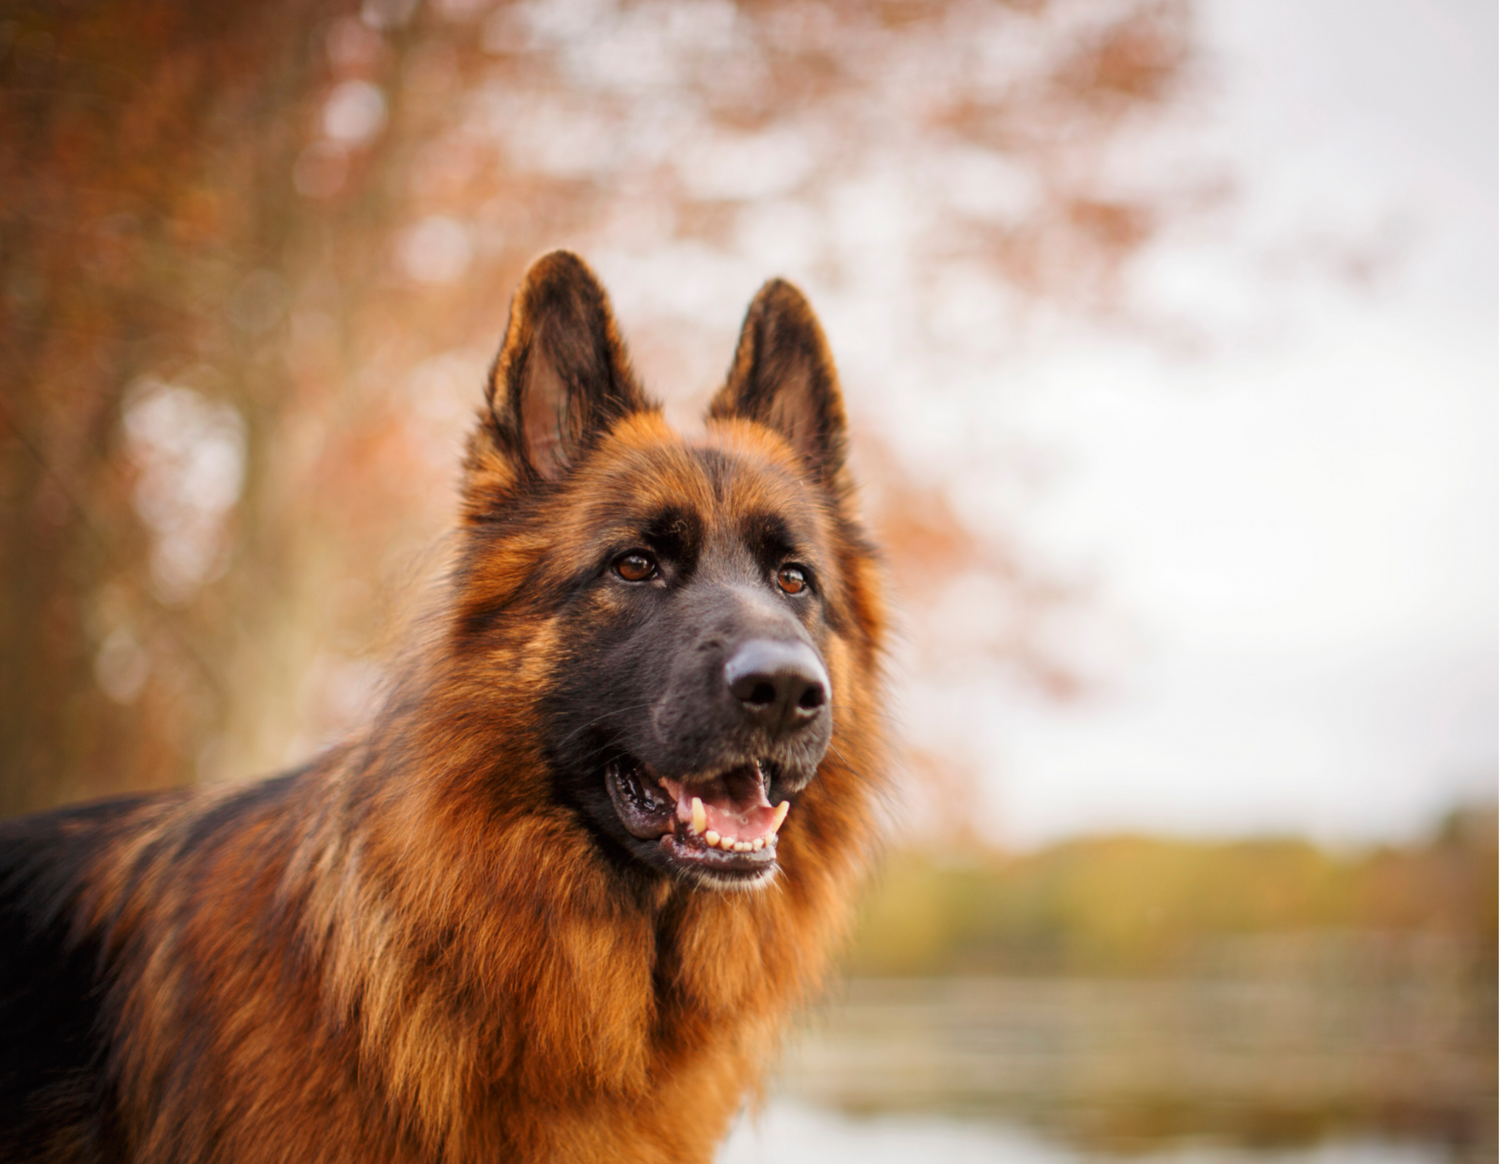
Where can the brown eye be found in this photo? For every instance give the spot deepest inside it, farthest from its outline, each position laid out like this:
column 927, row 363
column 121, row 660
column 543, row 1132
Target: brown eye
column 635, row 566
column 792, row 579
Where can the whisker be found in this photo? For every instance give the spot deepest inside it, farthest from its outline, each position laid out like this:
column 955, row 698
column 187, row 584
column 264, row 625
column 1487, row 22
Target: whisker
column 602, row 718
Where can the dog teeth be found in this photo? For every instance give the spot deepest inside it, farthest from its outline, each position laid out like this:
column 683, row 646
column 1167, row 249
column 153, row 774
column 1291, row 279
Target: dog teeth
column 716, row 840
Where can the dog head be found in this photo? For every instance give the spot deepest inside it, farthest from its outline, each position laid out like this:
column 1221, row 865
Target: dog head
column 684, row 627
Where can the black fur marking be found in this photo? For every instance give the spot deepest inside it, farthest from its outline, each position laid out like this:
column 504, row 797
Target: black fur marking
column 677, row 535
column 54, row 1093
column 770, row 538
column 720, row 468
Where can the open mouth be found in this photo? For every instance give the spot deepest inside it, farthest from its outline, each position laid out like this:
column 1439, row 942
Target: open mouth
column 722, row 825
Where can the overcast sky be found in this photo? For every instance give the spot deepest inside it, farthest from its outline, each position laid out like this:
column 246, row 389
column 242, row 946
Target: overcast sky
column 1295, row 526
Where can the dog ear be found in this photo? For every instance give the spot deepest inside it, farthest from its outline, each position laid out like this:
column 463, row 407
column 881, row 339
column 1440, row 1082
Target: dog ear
column 562, row 377
column 783, row 377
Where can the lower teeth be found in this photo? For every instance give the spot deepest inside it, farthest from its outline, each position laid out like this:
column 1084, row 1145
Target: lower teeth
column 713, row 840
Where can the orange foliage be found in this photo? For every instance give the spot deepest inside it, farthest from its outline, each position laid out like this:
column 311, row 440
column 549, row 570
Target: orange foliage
column 295, row 210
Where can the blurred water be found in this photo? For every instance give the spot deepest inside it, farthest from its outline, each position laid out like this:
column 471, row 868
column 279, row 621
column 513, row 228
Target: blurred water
column 789, row 1132
column 1276, row 1068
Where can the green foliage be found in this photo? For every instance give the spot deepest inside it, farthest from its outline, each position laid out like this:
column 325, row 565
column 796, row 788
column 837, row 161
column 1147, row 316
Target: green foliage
column 1141, row 905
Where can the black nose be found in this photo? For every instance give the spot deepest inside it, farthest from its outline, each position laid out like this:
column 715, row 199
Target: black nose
column 779, row 685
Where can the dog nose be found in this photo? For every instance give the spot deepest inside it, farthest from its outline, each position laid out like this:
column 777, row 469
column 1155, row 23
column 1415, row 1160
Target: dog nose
column 780, row 686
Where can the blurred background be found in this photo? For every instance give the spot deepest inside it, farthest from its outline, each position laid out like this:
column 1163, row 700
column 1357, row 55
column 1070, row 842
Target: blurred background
column 1168, row 332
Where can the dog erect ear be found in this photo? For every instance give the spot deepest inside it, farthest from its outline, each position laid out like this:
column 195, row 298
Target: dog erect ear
column 783, row 377
column 562, row 377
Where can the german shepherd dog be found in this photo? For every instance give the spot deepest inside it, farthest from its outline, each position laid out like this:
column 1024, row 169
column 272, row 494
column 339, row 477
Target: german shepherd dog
column 557, row 900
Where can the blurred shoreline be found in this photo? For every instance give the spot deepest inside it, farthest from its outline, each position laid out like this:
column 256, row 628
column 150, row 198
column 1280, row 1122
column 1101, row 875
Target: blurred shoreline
column 1130, row 1065
column 1136, row 994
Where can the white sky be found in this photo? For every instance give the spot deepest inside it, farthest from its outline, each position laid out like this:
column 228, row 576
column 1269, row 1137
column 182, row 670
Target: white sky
column 1296, row 529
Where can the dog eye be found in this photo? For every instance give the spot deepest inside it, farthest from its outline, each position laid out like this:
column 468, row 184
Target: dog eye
column 636, row 566
column 792, row 579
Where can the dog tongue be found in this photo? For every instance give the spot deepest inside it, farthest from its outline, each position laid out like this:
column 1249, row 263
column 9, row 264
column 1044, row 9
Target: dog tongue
column 734, row 804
